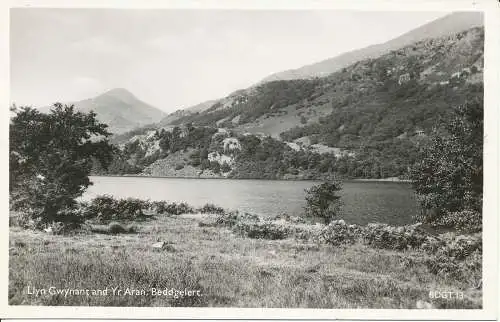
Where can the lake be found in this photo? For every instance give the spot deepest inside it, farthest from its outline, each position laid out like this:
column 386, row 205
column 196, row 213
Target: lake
column 364, row 202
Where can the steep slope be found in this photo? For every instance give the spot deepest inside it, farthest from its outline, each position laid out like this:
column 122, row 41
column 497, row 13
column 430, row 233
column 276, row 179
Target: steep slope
column 378, row 110
column 120, row 109
column 172, row 117
column 449, row 24
column 401, row 78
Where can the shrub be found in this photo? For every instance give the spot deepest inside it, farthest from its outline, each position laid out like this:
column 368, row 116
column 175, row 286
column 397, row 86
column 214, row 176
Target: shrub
column 227, row 219
column 461, row 246
column 163, row 207
column 224, row 168
column 262, row 230
column 132, row 208
column 322, row 201
column 211, row 209
column 159, row 207
column 465, row 220
column 215, row 166
column 25, row 220
column 106, row 208
column 232, row 218
column 288, row 218
column 397, row 238
column 441, row 264
column 103, row 207
column 339, row 233
column 182, row 208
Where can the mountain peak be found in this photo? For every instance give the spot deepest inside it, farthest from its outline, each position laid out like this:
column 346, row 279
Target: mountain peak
column 119, row 92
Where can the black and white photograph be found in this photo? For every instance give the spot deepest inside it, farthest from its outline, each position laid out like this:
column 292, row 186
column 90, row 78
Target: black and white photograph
column 237, row 158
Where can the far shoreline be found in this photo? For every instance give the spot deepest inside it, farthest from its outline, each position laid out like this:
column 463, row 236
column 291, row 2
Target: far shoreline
column 388, row 180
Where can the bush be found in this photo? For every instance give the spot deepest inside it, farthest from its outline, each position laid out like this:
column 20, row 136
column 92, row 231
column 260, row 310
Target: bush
column 106, row 208
column 103, row 206
column 262, row 230
column 465, row 220
column 397, row 238
column 339, row 233
column 211, row 209
column 163, row 207
column 132, row 208
column 230, row 219
column 322, row 201
column 288, row 218
column 460, row 247
column 224, row 168
column 26, row 221
column 215, row 166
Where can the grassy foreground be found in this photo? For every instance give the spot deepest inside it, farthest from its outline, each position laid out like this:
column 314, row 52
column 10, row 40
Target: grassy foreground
column 228, row 270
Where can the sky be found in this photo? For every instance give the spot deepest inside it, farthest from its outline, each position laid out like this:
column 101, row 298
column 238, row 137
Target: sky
column 173, row 59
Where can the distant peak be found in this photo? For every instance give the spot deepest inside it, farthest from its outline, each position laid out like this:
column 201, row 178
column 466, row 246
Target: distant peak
column 118, row 92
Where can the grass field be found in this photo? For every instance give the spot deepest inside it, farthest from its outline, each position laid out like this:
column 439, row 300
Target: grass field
column 226, row 269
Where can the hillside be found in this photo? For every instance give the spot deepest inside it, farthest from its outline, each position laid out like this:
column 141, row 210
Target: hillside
column 450, row 24
column 378, row 111
column 198, row 108
column 437, row 71
column 120, row 109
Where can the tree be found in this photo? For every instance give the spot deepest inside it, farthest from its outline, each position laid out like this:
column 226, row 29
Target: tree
column 449, row 176
column 51, row 156
column 323, row 201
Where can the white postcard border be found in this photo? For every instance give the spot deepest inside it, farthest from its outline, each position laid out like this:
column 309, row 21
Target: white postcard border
column 491, row 164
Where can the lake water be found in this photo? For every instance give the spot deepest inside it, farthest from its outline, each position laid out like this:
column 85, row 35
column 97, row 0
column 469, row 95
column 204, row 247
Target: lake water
column 364, row 202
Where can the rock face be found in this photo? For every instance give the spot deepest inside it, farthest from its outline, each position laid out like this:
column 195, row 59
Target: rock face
column 221, row 158
column 231, row 144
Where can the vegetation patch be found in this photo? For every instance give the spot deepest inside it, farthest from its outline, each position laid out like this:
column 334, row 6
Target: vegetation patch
column 171, row 208
column 211, row 209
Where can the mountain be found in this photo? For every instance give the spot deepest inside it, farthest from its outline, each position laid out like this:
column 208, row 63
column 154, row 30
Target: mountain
column 201, row 107
column 275, row 107
column 120, row 109
column 449, row 24
column 373, row 116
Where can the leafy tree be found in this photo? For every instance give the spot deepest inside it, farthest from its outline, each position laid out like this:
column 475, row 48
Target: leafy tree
column 51, row 156
column 323, row 201
column 449, row 177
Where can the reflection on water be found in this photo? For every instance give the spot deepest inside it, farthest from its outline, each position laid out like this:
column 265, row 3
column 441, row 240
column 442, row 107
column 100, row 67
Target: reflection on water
column 364, row 202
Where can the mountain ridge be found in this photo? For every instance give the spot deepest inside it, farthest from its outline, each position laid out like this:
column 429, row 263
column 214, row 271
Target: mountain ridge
column 446, row 25
column 449, row 24
column 120, row 109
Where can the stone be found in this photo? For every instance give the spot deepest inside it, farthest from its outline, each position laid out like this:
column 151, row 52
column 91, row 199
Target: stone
column 158, row 245
column 424, row 305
